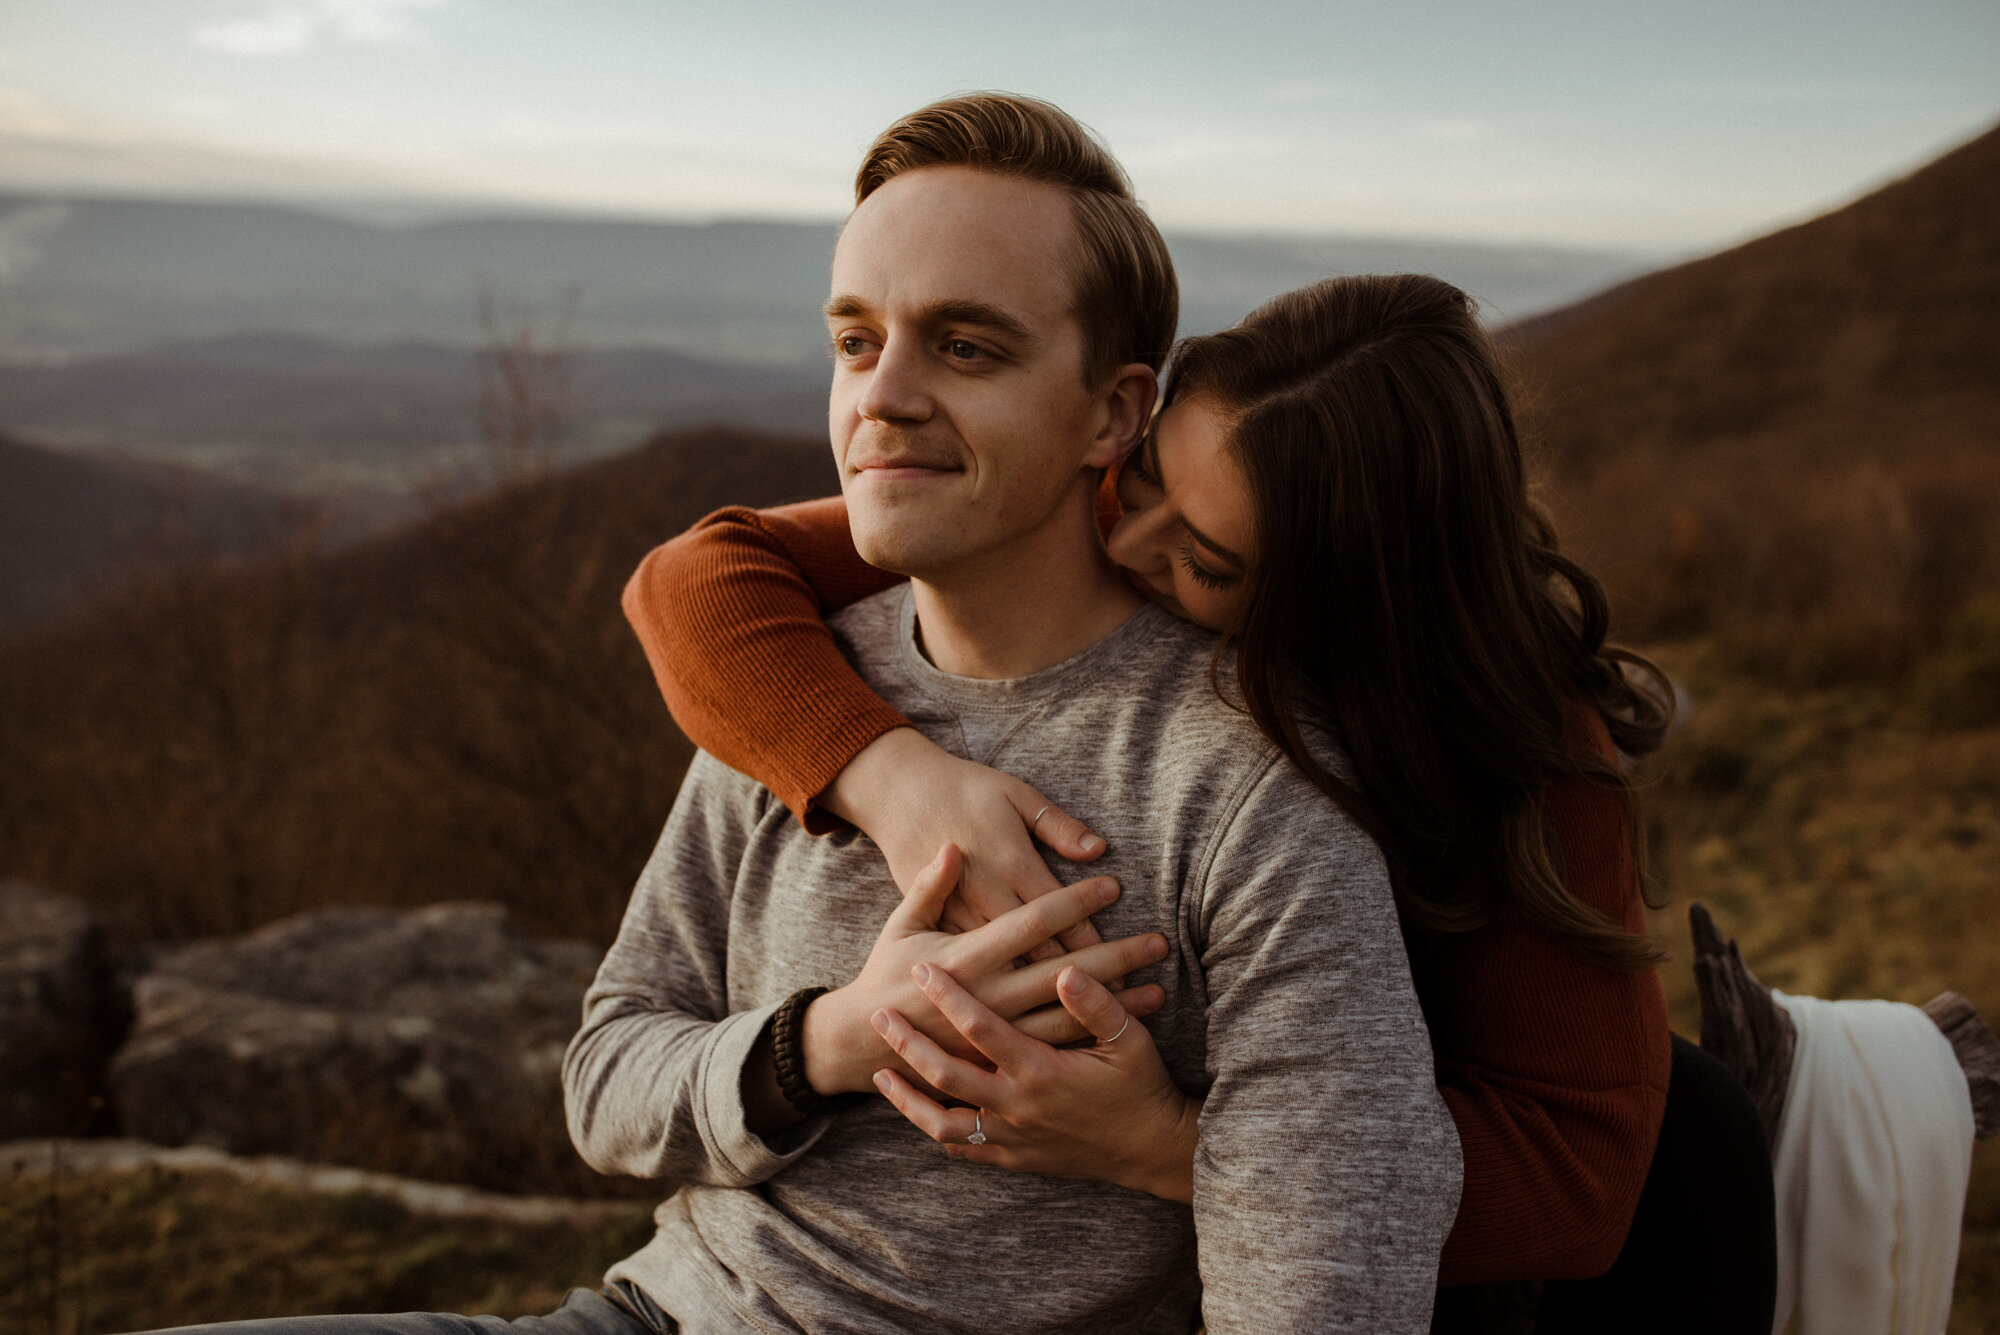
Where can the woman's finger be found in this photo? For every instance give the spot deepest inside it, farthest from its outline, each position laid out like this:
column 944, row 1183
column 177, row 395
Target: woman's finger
column 923, row 907
column 1075, row 938
column 1064, row 833
column 947, row 1074
column 1055, row 1025
column 947, row 1126
column 1095, row 1007
column 1072, row 839
column 995, row 1039
column 1035, row 984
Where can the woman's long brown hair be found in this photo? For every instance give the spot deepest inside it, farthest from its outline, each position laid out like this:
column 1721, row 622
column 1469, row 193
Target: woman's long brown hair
column 1407, row 595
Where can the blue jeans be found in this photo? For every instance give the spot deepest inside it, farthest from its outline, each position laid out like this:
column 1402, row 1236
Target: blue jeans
column 583, row 1312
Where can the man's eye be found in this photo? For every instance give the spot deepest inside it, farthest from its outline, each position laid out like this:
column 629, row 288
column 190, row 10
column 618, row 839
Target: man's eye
column 851, row 347
column 960, row 350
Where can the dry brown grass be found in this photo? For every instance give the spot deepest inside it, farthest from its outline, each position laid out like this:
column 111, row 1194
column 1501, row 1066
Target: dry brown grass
column 455, row 712
column 1807, row 572
column 117, row 1251
column 1852, row 845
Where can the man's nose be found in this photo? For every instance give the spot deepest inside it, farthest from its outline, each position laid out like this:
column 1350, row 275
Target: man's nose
column 896, row 389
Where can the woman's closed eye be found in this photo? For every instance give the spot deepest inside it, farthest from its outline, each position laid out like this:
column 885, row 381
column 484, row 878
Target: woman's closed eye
column 1201, row 574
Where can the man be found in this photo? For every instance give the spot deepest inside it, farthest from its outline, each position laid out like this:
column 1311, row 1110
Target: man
column 999, row 307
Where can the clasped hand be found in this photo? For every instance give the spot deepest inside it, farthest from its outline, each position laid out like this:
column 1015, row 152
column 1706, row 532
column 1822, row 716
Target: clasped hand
column 843, row 1049
column 1108, row 1111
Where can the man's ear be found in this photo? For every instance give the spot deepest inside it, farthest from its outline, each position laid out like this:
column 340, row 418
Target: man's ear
column 1127, row 400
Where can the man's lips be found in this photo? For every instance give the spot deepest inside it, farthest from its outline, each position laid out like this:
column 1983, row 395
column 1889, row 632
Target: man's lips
column 896, row 470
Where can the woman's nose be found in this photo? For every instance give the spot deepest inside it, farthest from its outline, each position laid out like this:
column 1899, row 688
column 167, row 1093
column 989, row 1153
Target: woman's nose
column 1138, row 539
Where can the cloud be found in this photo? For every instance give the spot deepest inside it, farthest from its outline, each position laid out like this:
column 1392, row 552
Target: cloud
column 289, row 28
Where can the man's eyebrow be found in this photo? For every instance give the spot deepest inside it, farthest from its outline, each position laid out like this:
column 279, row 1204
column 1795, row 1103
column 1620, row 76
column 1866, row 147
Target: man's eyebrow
column 1152, row 448
column 950, row 311
column 946, row 311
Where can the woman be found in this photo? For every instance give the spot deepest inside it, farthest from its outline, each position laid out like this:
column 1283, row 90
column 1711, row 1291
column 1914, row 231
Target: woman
column 1336, row 486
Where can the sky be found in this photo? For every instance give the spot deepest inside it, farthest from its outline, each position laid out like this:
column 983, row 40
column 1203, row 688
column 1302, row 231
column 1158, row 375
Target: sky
column 1675, row 126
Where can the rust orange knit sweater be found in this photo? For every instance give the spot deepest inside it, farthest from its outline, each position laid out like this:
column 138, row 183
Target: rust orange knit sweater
column 1554, row 1069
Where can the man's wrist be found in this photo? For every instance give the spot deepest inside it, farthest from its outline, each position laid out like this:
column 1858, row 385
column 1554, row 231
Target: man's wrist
column 838, row 1057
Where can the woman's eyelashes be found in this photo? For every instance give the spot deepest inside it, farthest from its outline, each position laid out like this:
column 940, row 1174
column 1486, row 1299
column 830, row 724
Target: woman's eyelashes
column 1200, row 573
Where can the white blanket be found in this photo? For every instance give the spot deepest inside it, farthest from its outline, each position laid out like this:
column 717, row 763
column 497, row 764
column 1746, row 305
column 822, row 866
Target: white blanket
column 1872, row 1158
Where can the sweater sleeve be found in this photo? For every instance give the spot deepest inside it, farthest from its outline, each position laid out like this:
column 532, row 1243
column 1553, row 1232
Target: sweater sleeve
column 730, row 614
column 653, row 1080
column 1554, row 1068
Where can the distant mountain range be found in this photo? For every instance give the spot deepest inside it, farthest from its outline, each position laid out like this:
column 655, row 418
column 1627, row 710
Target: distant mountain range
column 332, row 357
column 311, row 417
column 94, row 276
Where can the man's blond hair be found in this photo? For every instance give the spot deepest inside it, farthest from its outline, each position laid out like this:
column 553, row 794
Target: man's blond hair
column 1127, row 298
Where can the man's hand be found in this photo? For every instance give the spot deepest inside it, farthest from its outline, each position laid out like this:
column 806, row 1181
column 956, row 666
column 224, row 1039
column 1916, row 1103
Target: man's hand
column 842, row 1048
column 910, row 796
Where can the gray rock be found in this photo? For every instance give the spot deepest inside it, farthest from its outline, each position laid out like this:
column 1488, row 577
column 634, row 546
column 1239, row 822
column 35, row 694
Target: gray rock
column 59, row 1015
column 425, row 1042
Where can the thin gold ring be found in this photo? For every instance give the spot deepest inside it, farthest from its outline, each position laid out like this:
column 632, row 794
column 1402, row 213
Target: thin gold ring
column 1038, row 816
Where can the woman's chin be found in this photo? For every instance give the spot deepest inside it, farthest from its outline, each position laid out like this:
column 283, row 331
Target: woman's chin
column 1165, row 601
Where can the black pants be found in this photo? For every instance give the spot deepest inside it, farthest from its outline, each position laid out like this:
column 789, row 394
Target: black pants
column 1703, row 1251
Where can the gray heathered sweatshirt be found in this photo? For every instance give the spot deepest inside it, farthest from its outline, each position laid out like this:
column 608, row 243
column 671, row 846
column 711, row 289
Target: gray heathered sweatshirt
column 1328, row 1171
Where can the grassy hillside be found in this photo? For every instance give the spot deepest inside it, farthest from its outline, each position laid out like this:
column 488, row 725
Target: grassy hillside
column 1794, row 444
column 1852, row 844
column 457, row 711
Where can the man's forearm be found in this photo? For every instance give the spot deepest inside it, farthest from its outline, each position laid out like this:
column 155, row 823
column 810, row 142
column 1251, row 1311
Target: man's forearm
column 766, row 1110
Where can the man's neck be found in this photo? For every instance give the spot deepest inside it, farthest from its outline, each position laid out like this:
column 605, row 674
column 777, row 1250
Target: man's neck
column 1029, row 606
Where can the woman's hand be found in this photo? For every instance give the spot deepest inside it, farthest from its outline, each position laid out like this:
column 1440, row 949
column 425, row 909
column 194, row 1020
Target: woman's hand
column 843, row 1049
column 910, row 796
column 1107, row 1112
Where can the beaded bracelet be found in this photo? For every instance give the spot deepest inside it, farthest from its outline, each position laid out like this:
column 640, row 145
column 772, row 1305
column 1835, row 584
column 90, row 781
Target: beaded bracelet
column 788, row 1056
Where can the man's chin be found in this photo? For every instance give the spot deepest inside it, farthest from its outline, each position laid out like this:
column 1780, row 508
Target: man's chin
column 892, row 544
